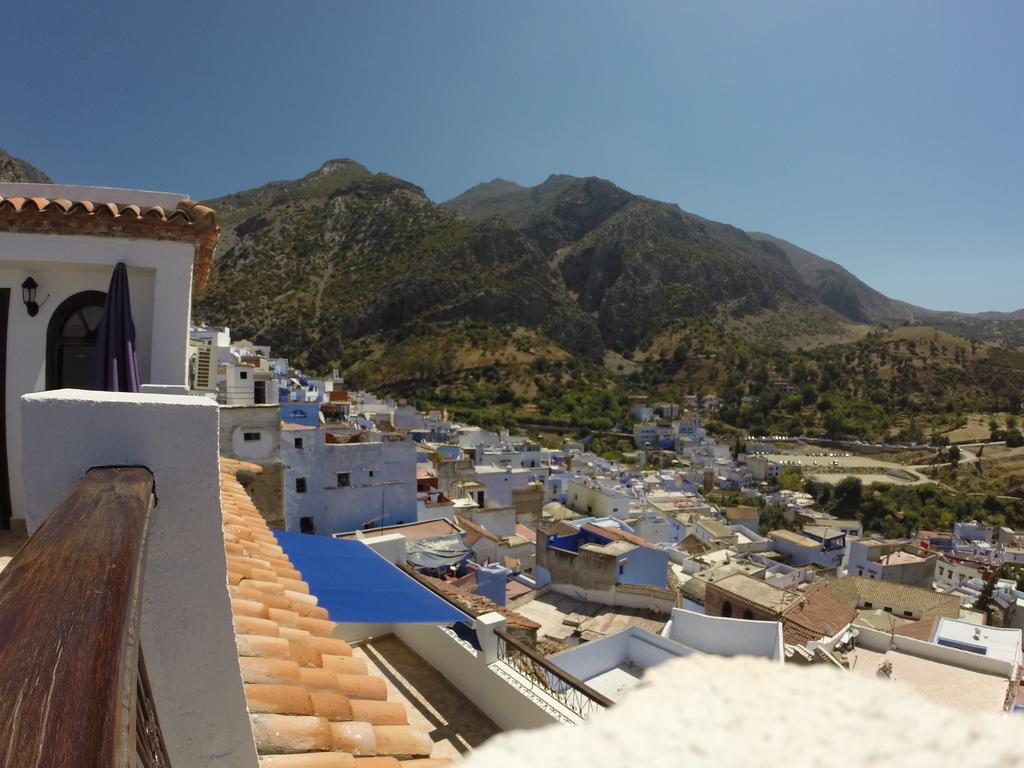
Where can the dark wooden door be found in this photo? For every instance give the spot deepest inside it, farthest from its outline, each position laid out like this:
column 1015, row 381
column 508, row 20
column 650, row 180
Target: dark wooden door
column 5, row 481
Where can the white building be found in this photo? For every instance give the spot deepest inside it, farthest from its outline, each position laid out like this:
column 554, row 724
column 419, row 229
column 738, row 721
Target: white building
column 523, row 455
column 68, row 239
column 597, row 498
column 500, row 482
column 368, row 481
column 689, row 426
column 993, row 642
column 763, row 470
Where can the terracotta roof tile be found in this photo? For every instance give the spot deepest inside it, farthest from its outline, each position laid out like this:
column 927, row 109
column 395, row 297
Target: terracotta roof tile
column 904, row 597
column 612, row 532
column 818, row 613
column 189, row 222
column 313, row 760
column 311, row 703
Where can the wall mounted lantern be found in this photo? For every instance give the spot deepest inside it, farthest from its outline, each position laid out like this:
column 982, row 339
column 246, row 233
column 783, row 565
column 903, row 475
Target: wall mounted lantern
column 28, row 295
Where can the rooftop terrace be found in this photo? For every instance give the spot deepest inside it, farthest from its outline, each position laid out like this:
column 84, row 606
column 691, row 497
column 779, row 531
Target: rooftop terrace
column 962, row 689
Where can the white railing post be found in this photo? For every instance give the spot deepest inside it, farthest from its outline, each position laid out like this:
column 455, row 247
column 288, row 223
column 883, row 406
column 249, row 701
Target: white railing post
column 485, row 627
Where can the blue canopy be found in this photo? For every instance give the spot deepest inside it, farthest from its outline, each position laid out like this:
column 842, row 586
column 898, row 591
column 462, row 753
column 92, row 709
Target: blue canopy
column 355, row 584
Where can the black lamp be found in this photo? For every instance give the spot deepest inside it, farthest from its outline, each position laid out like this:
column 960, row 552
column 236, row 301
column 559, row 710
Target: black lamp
column 28, row 295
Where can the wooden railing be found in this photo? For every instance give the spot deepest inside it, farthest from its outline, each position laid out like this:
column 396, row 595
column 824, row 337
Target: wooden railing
column 73, row 683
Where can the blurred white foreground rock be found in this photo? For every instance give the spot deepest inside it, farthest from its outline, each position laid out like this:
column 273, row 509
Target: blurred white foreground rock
column 713, row 711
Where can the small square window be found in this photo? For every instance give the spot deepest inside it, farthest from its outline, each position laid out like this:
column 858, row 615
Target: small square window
column 300, row 485
column 298, row 443
column 343, row 480
column 306, row 525
column 251, row 437
column 243, row 374
column 867, row 605
column 371, row 473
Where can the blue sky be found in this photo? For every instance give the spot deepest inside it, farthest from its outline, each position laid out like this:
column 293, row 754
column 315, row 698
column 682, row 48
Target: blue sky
column 886, row 136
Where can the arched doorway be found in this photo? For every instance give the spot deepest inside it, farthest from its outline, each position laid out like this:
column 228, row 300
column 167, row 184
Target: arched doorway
column 71, row 341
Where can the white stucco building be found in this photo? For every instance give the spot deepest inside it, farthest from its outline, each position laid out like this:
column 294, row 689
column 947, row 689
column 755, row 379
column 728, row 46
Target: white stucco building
column 597, row 498
column 334, row 487
column 68, row 239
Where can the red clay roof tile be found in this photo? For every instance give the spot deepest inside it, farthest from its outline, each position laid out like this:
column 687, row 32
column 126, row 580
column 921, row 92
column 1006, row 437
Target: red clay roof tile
column 311, row 703
column 189, row 222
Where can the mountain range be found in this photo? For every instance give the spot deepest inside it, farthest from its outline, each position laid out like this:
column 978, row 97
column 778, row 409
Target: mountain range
column 359, row 270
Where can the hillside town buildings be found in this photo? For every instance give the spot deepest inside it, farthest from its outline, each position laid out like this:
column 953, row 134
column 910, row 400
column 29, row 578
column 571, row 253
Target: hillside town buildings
column 326, row 570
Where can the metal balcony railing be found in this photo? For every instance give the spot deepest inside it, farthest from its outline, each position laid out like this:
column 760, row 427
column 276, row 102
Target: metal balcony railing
column 72, row 676
column 548, row 679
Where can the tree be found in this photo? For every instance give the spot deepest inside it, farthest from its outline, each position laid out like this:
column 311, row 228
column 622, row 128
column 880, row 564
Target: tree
column 790, row 480
column 954, row 454
column 984, row 601
column 847, row 497
column 738, row 448
column 773, row 518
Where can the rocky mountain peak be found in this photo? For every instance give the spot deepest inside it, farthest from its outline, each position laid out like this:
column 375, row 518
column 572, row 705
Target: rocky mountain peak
column 13, row 169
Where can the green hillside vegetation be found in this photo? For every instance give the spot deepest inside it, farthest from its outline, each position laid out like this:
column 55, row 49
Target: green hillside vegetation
column 505, row 303
column 316, row 266
column 899, row 511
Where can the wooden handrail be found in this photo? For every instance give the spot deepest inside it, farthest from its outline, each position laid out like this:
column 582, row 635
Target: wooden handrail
column 69, row 628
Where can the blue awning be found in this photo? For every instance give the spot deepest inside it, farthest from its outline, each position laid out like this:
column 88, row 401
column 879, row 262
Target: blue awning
column 355, row 584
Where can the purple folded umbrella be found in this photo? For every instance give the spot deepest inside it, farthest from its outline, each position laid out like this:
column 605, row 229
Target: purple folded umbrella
column 117, row 361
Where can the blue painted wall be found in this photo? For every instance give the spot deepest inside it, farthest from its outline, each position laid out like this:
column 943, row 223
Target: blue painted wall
column 491, row 582
column 307, row 414
column 645, row 566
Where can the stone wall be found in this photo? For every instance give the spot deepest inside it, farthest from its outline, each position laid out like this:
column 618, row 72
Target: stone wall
column 587, row 570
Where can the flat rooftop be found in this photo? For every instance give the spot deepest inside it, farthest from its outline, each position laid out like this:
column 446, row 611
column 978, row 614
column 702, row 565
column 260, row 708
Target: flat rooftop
column 424, row 529
column 900, row 558
column 795, row 538
column 615, row 548
column 561, row 617
column 961, row 689
column 757, row 591
column 616, row 681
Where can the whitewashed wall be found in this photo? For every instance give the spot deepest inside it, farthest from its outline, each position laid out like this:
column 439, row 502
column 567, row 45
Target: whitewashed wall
column 187, row 634
column 725, row 637
column 468, row 671
column 160, row 281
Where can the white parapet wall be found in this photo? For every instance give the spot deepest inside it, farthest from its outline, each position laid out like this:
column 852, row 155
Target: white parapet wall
column 725, row 636
column 469, row 670
column 187, row 635
column 634, row 646
column 880, row 642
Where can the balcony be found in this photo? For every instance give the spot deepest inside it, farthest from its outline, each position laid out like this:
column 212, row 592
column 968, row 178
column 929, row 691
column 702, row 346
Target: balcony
column 70, row 603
